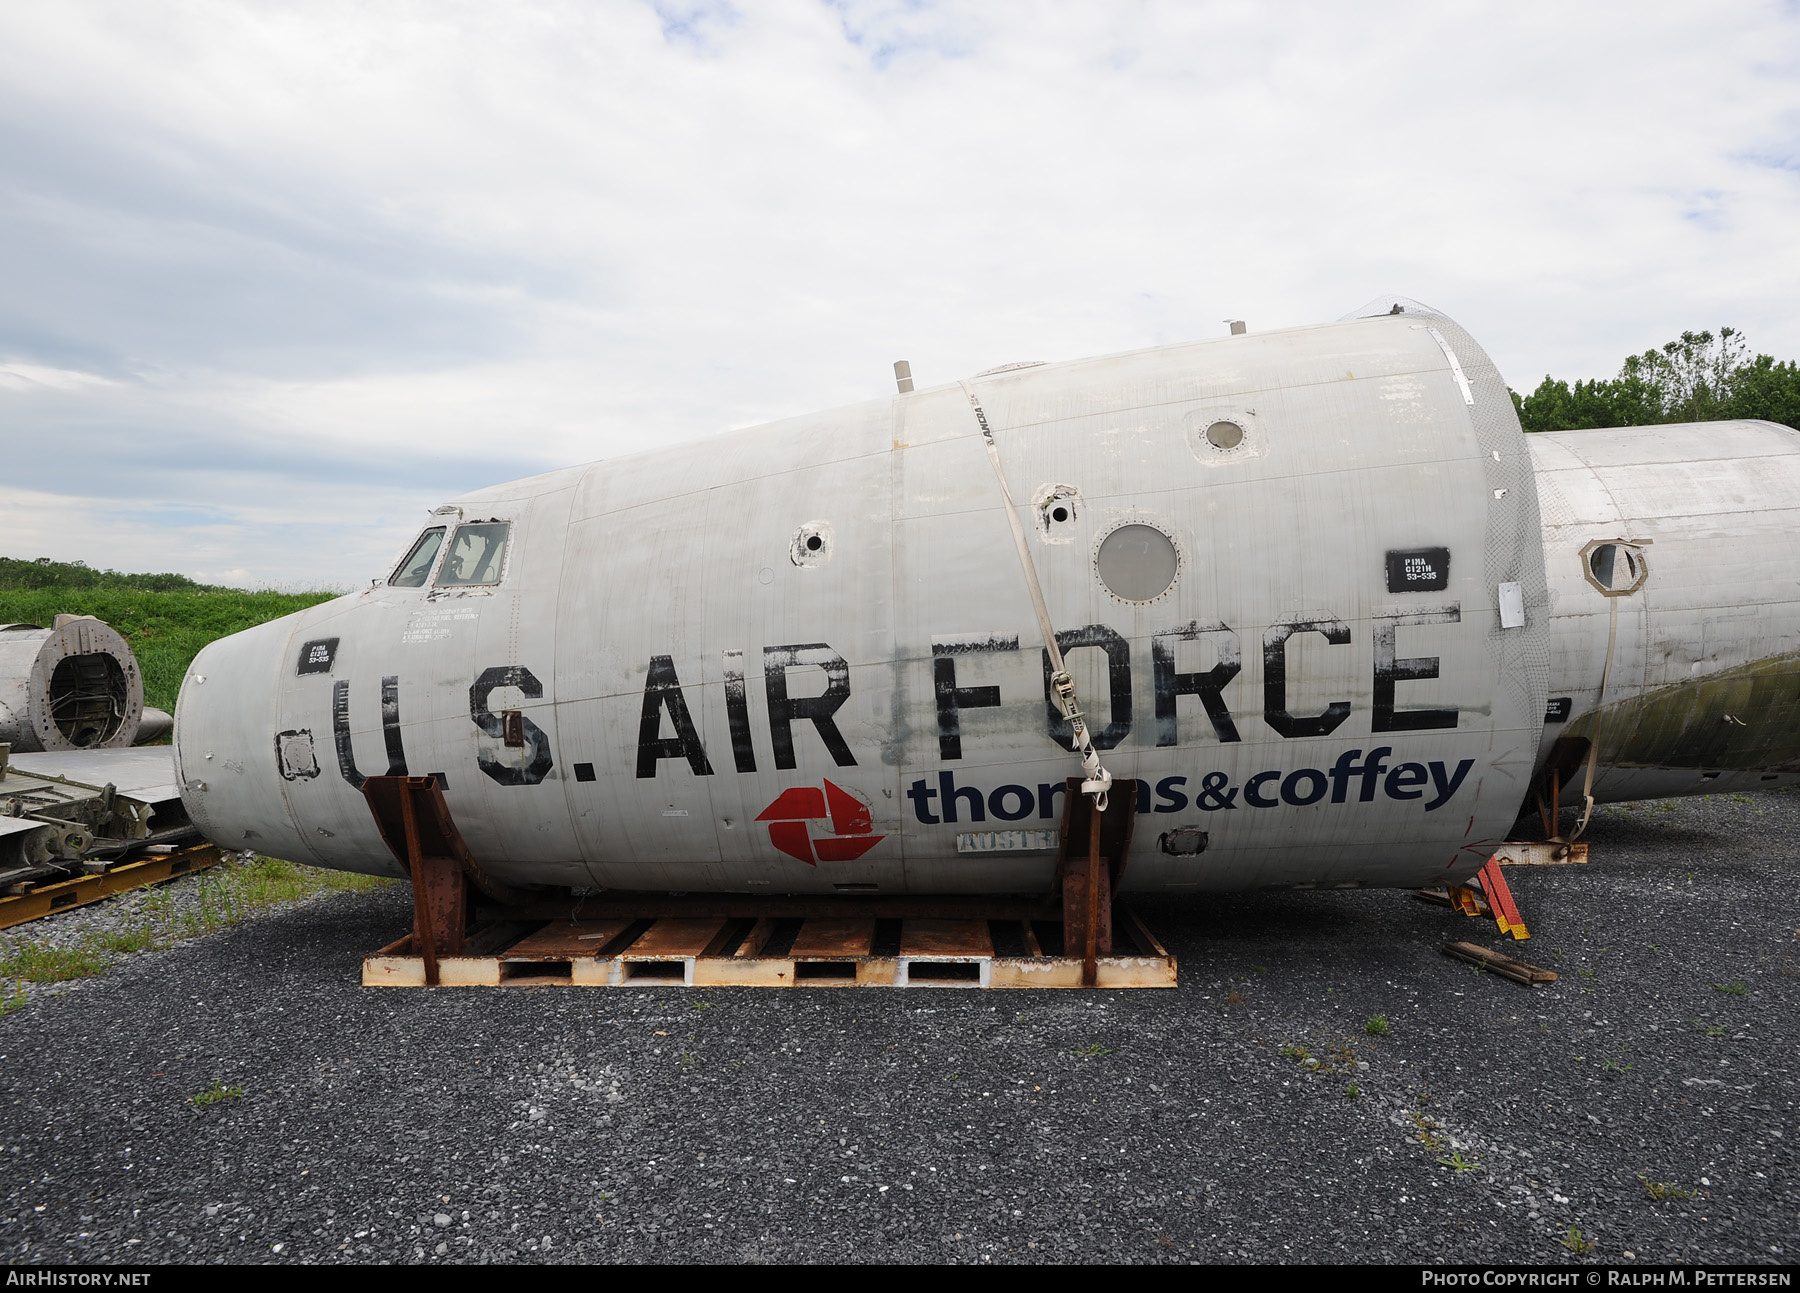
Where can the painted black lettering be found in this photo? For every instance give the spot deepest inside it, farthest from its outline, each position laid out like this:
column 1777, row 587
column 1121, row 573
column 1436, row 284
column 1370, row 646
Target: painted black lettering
column 1368, row 770
column 340, row 732
column 737, row 711
column 1011, row 803
column 390, row 726
column 951, row 699
column 1446, row 783
column 536, row 761
column 1401, row 781
column 1174, row 799
column 1315, row 781
column 662, row 691
column 1253, row 794
column 1275, row 710
column 921, row 796
column 1047, row 793
column 1388, row 671
column 1118, row 676
column 1208, row 686
column 784, row 711
column 949, row 794
column 390, row 729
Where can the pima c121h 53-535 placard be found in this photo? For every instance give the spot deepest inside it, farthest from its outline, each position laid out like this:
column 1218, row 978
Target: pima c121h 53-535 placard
column 1319, row 595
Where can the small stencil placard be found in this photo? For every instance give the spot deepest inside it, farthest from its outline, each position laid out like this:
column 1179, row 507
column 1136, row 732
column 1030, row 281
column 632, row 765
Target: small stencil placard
column 317, row 656
column 1418, row 570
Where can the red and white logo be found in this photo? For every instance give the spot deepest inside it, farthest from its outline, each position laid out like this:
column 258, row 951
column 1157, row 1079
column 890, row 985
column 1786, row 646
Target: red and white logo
column 789, row 815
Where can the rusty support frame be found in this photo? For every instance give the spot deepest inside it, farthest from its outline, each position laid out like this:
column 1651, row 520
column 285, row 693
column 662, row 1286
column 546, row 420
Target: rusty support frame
column 415, row 822
column 1090, row 970
column 1087, row 885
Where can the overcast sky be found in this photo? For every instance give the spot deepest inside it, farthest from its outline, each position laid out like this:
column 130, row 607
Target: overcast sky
column 276, row 278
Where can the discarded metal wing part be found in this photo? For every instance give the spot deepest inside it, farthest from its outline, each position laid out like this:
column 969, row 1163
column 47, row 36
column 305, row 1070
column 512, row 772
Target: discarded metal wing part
column 1531, row 976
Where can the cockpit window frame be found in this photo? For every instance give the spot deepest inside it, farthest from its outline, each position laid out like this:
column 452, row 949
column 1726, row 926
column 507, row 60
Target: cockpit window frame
column 438, row 582
column 431, row 568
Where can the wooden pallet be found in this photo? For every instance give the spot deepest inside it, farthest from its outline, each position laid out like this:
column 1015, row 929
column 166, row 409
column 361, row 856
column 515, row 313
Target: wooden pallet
column 63, row 895
column 851, row 951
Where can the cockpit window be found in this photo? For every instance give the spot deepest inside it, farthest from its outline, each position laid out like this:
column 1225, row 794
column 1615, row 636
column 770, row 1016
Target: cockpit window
column 413, row 572
column 477, row 555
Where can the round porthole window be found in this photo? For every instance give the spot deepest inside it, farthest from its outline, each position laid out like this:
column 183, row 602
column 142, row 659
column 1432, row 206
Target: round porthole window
column 1225, row 434
column 1137, row 563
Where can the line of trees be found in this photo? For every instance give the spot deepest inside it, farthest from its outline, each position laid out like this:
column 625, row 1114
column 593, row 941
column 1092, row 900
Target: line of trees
column 17, row 575
column 1700, row 378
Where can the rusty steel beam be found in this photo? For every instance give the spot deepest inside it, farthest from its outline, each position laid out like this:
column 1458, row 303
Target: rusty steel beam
column 65, row 895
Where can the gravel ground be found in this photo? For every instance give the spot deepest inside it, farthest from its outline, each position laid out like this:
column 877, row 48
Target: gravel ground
column 162, row 904
column 546, row 1124
column 167, row 909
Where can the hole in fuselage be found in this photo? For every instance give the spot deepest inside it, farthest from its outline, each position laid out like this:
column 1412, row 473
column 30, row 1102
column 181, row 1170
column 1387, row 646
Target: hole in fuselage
column 1059, row 514
column 814, row 543
column 88, row 694
column 1616, row 567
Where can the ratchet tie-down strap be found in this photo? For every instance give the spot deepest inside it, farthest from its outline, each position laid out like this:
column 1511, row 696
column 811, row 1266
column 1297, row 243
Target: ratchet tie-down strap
column 1587, row 786
column 1096, row 780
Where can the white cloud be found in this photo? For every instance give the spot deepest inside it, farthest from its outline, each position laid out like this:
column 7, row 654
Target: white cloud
column 22, row 376
column 419, row 241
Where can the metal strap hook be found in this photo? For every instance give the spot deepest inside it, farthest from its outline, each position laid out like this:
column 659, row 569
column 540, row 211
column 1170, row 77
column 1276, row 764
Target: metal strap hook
column 1096, row 780
column 1587, row 787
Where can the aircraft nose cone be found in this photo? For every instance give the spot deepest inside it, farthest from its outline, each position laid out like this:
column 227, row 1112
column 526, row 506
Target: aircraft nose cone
column 225, row 740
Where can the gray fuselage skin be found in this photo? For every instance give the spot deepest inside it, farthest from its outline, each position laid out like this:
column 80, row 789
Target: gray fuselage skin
column 804, row 658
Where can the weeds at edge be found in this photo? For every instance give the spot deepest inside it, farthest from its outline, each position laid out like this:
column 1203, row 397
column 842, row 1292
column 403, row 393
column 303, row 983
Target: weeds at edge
column 228, row 893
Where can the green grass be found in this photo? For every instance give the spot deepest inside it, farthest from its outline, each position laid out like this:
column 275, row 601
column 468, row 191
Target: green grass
column 234, row 890
column 167, row 619
column 36, row 963
column 1378, row 1026
column 214, row 1094
column 228, row 893
column 1660, row 1190
column 1733, row 989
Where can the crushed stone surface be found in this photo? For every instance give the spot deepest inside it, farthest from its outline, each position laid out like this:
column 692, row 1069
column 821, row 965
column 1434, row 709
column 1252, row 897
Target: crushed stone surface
column 833, row 1124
